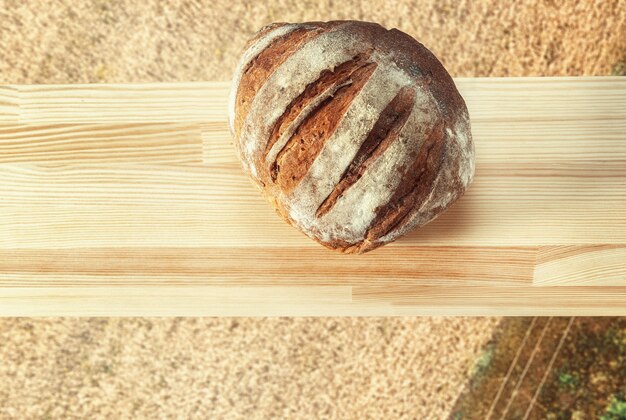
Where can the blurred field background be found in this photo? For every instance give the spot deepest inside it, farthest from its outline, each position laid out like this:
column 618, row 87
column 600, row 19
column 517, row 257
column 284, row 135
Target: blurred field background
column 265, row 368
column 92, row 41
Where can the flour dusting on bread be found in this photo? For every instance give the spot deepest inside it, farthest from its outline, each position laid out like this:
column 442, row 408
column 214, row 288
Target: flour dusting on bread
column 358, row 134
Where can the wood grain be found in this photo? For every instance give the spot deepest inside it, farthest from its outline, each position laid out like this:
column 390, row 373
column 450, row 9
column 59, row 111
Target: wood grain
column 165, row 143
column 135, row 205
column 249, row 266
column 9, row 105
column 129, row 200
column 116, row 104
column 576, row 265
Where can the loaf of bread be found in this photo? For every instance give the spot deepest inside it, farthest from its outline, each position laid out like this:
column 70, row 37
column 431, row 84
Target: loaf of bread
column 356, row 134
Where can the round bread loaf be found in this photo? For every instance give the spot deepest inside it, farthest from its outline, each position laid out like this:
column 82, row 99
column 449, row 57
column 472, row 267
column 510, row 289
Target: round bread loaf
column 355, row 133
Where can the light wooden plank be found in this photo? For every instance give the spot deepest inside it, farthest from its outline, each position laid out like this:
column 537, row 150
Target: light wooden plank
column 266, row 266
column 581, row 265
column 500, row 99
column 9, row 105
column 488, row 300
column 570, row 112
column 191, row 206
column 217, row 145
column 311, row 301
column 107, row 103
column 129, row 200
column 544, row 99
column 175, row 301
column 550, row 142
column 505, row 143
column 164, row 143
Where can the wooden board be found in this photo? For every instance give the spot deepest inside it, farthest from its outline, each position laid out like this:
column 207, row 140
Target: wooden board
column 128, row 200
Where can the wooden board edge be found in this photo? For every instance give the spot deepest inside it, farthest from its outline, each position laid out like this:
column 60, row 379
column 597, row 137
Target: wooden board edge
column 302, row 301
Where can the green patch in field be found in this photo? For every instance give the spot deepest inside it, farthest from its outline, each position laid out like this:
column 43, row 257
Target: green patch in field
column 484, row 362
column 567, row 381
column 616, row 409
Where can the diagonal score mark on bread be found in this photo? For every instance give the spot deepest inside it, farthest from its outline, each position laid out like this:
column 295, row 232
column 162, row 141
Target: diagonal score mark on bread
column 288, row 80
column 253, row 48
column 386, row 130
column 314, row 94
column 357, row 208
column 266, row 62
column 339, row 150
column 294, row 160
column 411, row 192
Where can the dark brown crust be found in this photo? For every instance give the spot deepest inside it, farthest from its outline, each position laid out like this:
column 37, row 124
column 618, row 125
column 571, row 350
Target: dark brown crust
column 385, row 131
column 295, row 159
column 417, row 60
